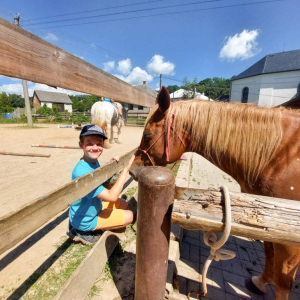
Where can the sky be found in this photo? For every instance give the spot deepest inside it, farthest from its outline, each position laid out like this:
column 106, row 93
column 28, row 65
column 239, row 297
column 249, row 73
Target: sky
column 137, row 40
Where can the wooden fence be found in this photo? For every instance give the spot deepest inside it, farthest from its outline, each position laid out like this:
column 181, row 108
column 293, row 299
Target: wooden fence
column 41, row 210
column 136, row 119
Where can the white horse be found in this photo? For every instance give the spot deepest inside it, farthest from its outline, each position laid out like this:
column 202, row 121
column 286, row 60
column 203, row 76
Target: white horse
column 106, row 116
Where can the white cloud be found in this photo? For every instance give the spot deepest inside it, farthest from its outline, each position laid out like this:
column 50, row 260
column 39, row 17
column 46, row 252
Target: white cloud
column 136, row 77
column 109, row 66
column 124, row 66
column 18, row 89
column 51, row 37
column 157, row 66
column 240, row 46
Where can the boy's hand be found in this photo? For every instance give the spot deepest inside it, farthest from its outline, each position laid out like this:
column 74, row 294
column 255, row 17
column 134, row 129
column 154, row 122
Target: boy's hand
column 128, row 165
column 116, row 158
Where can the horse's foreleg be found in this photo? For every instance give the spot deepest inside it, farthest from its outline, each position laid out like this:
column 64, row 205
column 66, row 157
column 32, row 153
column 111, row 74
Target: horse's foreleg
column 107, row 144
column 111, row 139
column 119, row 125
column 286, row 262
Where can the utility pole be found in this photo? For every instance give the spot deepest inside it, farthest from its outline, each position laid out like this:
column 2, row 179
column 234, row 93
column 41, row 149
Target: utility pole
column 160, row 80
column 25, row 87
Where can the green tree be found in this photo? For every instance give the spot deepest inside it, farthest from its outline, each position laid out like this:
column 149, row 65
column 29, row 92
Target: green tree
column 214, row 87
column 16, row 100
column 173, row 88
column 190, row 88
column 4, row 100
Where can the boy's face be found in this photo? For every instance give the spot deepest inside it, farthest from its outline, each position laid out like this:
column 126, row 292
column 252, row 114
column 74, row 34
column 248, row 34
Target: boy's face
column 92, row 147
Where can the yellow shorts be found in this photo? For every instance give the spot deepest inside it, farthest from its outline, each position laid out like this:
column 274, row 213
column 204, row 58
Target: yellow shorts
column 112, row 215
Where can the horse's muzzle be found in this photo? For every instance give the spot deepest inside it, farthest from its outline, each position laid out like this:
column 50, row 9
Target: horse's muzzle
column 135, row 171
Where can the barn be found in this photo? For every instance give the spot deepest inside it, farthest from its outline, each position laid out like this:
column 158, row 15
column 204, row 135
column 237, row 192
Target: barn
column 60, row 100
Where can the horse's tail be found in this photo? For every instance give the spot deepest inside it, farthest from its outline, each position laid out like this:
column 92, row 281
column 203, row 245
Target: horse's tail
column 98, row 115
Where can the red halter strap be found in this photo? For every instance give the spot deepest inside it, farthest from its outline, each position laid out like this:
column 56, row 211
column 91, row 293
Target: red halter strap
column 169, row 127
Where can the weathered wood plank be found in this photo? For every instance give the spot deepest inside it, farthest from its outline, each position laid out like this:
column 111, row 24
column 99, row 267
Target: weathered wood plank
column 81, row 281
column 256, row 217
column 22, row 222
column 26, row 56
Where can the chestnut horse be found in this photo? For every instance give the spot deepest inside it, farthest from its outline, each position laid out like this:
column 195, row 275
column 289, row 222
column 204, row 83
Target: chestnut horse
column 258, row 147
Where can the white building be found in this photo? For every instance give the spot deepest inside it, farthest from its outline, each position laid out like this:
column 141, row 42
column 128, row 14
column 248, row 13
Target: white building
column 52, row 98
column 271, row 81
column 179, row 95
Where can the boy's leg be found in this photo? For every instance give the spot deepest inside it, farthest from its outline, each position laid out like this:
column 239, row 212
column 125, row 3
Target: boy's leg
column 119, row 204
column 114, row 215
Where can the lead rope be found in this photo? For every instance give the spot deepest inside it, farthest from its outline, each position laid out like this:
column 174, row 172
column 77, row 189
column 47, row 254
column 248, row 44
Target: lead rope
column 210, row 239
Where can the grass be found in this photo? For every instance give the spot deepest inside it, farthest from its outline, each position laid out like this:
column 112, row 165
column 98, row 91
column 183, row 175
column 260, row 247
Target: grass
column 175, row 170
column 46, row 284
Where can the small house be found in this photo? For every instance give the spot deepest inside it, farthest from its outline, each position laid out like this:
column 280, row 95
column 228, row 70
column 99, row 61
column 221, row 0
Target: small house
column 273, row 80
column 60, row 100
column 182, row 93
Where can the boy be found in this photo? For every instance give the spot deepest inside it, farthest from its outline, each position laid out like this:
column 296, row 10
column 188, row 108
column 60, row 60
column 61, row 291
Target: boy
column 113, row 103
column 101, row 209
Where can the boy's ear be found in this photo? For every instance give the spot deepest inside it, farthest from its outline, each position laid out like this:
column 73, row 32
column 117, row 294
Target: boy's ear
column 163, row 99
column 80, row 145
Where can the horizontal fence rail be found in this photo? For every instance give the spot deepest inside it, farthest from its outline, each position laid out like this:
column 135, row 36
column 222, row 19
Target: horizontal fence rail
column 136, row 118
column 256, row 217
column 26, row 56
column 19, row 224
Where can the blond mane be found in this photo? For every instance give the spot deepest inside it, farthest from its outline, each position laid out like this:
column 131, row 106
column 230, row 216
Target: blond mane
column 246, row 134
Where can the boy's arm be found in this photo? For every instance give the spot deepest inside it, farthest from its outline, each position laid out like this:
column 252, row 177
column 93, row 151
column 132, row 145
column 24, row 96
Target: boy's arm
column 113, row 194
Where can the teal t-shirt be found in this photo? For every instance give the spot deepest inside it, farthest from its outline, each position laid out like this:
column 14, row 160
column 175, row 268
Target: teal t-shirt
column 84, row 212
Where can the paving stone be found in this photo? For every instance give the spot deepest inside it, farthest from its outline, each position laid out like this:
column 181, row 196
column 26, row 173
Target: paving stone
column 182, row 285
column 195, row 253
column 253, row 256
column 185, row 250
column 243, row 253
column 232, row 297
column 193, row 234
column 262, row 261
column 215, row 294
column 256, row 297
column 233, row 265
column 258, row 245
column 269, row 295
column 237, row 290
column 260, row 253
column 249, row 273
column 252, row 266
column 244, row 242
column 293, row 296
column 192, row 241
column 217, row 278
column 233, row 278
column 193, row 286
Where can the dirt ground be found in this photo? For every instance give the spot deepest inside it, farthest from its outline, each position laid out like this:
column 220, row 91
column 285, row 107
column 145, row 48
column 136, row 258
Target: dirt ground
column 24, row 179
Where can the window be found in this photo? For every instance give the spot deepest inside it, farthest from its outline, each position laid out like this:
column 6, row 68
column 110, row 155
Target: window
column 298, row 89
column 140, row 107
column 245, row 95
column 130, row 106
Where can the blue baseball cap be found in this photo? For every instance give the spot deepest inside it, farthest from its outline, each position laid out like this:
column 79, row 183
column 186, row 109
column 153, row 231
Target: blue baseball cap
column 92, row 130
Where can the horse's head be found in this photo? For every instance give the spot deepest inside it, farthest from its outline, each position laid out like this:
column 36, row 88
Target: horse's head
column 160, row 144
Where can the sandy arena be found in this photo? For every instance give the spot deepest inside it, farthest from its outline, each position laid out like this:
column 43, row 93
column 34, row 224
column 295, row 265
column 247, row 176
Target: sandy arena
column 24, row 179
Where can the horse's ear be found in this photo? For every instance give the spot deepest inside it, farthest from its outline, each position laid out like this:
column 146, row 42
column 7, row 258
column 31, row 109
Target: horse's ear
column 163, row 99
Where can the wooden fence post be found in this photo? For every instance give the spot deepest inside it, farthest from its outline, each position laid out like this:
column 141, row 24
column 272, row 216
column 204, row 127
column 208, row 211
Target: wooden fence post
column 156, row 190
